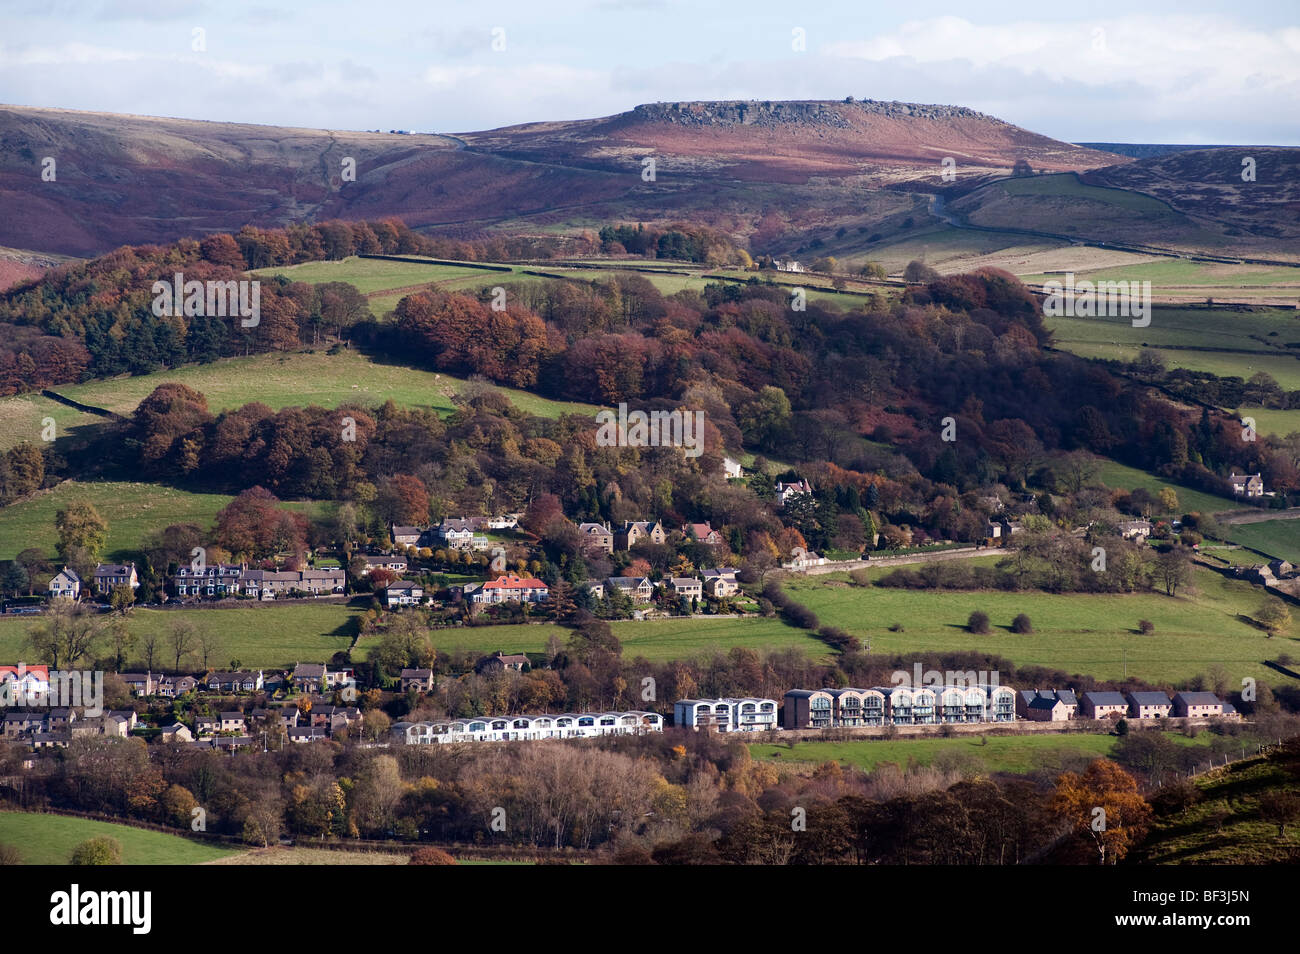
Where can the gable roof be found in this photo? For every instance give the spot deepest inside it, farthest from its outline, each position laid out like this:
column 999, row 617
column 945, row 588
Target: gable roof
column 1105, row 698
column 1199, row 699
column 1149, row 698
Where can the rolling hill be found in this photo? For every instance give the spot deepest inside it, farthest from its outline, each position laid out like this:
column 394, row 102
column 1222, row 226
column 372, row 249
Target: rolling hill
column 742, row 166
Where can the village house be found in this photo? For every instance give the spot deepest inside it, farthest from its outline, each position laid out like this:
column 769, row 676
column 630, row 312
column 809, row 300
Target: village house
column 1102, row 705
column 685, row 587
column 1046, row 705
column 596, row 537
column 285, row 716
column 420, row 680
column 1148, row 705
column 176, row 732
column 394, row 564
column 335, row 720
column 109, row 576
column 721, row 582
column 731, row 469
column 405, row 536
column 233, row 722
column 172, row 687
column 24, row 685
column 703, row 533
column 509, row 521
column 66, row 584
column 500, row 662
column 308, row 733
column 785, row 491
column 323, row 582
column 461, row 533
column 403, row 593
column 1197, row 705
column 800, row 562
column 141, row 683
column 242, row 681
column 1135, row 529
column 206, row 726
column 639, row 531
column 639, row 589
column 1247, row 485
column 311, row 677
column 20, row 724
column 508, row 588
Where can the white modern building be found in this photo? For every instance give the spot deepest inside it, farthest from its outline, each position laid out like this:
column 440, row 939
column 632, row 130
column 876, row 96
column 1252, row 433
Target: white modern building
column 750, row 714
column 520, row 728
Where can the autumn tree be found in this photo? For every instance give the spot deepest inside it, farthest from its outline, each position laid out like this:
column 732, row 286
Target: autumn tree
column 1103, row 805
column 80, row 528
column 402, row 499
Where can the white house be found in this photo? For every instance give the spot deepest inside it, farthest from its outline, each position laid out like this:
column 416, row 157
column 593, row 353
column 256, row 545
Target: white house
column 785, row 491
column 731, row 469
column 726, row 715
column 508, row 588
column 403, row 593
column 802, row 559
column 66, row 584
column 1247, row 485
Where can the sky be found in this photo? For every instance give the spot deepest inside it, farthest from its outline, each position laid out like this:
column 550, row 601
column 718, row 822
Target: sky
column 1136, row 71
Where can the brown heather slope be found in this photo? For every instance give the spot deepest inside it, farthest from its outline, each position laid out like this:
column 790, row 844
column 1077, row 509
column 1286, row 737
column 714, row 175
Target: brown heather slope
column 1207, row 184
column 790, row 142
column 739, row 166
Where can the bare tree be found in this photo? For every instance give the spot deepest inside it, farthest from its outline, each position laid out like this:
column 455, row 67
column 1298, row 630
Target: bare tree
column 210, row 644
column 182, row 636
column 149, row 646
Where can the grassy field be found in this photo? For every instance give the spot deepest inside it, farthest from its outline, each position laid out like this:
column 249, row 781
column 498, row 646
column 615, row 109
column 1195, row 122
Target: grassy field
column 1272, row 422
column 259, row 637
column 995, row 753
column 1278, row 538
column 1078, row 633
column 655, row 640
column 131, row 509
column 1238, row 835
column 1067, row 185
column 312, row 856
column 1119, row 476
column 1227, row 343
column 277, row 380
column 49, row 840
column 1167, row 274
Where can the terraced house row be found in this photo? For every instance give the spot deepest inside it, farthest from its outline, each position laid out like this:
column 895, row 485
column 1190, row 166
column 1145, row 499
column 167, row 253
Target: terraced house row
column 520, row 728
column 1063, row 705
column 896, row 705
column 220, row 580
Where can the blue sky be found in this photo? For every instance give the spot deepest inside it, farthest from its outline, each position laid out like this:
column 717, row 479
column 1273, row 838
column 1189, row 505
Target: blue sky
column 1193, row 72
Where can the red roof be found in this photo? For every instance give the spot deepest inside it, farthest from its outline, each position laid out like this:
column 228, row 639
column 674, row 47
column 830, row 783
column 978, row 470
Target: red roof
column 42, row 671
column 511, row 582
